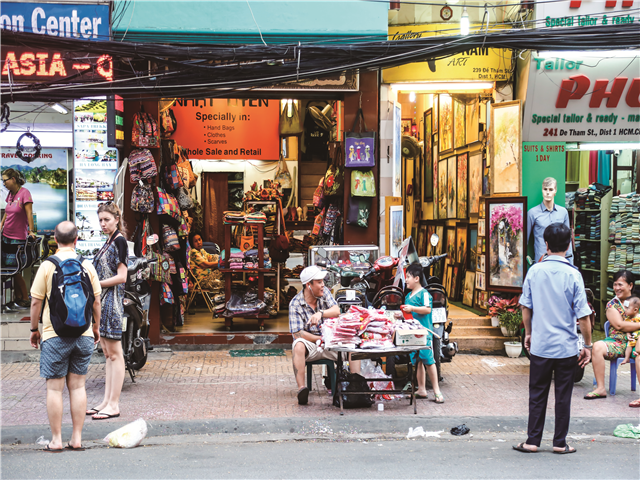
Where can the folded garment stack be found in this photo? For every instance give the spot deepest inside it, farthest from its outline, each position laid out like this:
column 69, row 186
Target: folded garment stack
column 255, row 217
column 233, row 217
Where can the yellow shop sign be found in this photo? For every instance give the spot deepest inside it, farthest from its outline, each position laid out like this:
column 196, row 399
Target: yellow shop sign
column 487, row 64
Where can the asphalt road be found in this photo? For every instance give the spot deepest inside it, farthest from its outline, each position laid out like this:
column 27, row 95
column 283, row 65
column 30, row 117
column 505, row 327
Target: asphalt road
column 486, row 455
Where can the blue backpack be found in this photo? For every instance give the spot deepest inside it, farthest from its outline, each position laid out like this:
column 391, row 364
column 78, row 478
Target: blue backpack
column 71, row 299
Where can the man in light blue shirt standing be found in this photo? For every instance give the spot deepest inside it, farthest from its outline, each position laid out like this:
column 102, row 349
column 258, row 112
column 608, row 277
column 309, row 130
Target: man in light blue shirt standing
column 553, row 301
column 543, row 215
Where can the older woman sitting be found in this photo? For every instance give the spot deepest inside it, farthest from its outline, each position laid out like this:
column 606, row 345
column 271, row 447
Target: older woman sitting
column 204, row 265
column 613, row 347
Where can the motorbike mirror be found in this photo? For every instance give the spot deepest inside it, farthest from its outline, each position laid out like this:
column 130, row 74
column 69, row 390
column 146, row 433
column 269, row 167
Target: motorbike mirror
column 322, row 253
column 434, row 240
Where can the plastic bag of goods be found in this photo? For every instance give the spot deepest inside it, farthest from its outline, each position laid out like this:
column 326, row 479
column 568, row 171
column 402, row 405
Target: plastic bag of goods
column 128, row 436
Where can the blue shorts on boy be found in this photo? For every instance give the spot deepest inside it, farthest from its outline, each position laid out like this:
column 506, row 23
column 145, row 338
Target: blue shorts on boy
column 422, row 298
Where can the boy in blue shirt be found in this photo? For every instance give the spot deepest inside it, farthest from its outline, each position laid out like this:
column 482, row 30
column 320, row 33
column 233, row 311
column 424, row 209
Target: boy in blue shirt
column 418, row 303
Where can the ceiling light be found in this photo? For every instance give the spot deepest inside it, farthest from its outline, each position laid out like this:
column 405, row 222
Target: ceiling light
column 59, row 108
column 431, row 87
column 412, row 96
column 464, row 22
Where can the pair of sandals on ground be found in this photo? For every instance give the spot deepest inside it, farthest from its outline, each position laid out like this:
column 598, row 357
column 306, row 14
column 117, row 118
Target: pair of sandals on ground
column 101, row 415
column 597, row 396
column 68, row 447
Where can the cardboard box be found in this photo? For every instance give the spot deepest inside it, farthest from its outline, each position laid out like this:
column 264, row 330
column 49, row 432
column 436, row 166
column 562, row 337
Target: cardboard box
column 411, row 338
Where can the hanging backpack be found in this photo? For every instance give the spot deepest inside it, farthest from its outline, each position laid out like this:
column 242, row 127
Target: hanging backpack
column 142, row 198
column 170, row 239
column 71, row 298
column 168, row 123
column 142, row 165
column 145, row 132
column 184, row 199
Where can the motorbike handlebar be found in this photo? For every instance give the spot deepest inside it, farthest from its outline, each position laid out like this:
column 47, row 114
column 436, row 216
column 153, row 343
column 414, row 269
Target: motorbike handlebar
column 426, row 262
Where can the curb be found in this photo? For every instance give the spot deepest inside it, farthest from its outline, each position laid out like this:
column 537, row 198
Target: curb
column 335, row 426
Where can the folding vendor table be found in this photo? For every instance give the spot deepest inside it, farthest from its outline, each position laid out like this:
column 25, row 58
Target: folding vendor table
column 368, row 354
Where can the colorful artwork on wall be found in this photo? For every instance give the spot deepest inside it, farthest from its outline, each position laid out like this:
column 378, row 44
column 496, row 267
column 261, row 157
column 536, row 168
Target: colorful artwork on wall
column 428, row 188
column 475, row 182
column 442, row 189
column 462, row 188
column 473, row 118
column 461, row 243
column 460, row 132
column 452, row 204
column 506, row 148
column 445, row 133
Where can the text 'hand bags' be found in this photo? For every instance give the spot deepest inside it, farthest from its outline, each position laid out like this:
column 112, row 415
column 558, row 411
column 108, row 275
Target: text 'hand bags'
column 360, row 147
column 363, row 184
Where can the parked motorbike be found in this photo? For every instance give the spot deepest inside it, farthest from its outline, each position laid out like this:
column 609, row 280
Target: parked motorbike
column 135, row 324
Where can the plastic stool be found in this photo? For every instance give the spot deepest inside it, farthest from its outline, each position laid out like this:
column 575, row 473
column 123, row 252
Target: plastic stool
column 613, row 375
column 331, row 370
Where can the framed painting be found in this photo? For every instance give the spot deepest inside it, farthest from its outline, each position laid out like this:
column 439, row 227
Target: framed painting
column 442, row 189
column 505, row 148
column 452, row 204
column 428, row 187
column 480, row 281
column 506, row 246
column 459, row 125
column 486, row 184
column 406, row 126
column 435, row 111
column 481, row 264
column 397, row 150
column 395, row 229
column 417, row 212
column 422, row 241
column 481, row 209
column 473, row 246
column 481, row 230
column 469, row 287
column 482, row 299
column 455, row 282
column 483, row 246
column 473, row 120
column 462, row 188
column 445, row 134
column 451, row 244
column 462, row 233
column 475, row 182
column 449, row 280
column 438, row 269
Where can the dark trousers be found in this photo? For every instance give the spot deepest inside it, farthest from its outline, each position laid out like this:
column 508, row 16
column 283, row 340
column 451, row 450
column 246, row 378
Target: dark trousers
column 540, row 374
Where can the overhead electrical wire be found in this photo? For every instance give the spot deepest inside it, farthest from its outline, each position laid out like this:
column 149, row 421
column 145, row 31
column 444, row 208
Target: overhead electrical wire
column 197, row 69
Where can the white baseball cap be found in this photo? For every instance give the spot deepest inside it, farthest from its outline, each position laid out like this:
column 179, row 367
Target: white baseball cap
column 312, row 273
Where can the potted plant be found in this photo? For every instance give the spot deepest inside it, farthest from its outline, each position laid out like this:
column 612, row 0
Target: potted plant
column 493, row 311
column 507, row 313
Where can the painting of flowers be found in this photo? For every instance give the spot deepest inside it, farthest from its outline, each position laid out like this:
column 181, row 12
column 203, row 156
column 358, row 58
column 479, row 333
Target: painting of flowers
column 462, row 185
column 442, row 189
column 452, row 204
column 446, row 123
column 505, row 147
column 475, row 182
column 459, row 114
column 506, row 218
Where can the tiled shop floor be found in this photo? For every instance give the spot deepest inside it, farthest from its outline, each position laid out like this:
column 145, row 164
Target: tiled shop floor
column 200, row 385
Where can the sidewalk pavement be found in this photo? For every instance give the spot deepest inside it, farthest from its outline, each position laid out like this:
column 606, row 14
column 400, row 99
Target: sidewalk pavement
column 195, row 386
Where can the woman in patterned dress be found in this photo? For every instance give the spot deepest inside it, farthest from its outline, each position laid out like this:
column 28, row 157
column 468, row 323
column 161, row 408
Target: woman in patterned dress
column 615, row 344
column 111, row 265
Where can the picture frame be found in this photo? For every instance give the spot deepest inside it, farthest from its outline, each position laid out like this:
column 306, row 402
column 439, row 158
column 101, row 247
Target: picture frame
column 459, row 124
column 425, row 230
column 475, row 182
column 483, row 249
column 462, row 233
column 481, row 211
column 445, row 112
column 452, row 178
column 462, row 185
column 435, row 112
column 428, row 180
column 436, row 183
column 451, row 244
column 469, row 287
column 417, row 211
column 486, row 183
column 480, row 281
column 406, row 126
column 473, row 247
column 506, row 148
column 506, row 250
column 481, row 263
column 448, row 279
column 473, row 122
column 455, row 282
column 397, row 150
column 481, row 229
column 396, row 224
column 442, row 189
column 482, row 299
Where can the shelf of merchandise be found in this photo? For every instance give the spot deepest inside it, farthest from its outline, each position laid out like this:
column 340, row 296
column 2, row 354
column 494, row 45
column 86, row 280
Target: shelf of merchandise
column 620, row 244
column 605, row 208
column 260, row 272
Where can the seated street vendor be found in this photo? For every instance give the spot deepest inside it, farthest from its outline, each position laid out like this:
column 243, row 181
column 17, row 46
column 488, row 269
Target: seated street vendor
column 306, row 313
column 204, row 265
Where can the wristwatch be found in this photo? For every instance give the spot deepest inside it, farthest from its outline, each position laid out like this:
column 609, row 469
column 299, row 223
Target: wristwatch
column 33, row 330
column 321, row 314
column 588, row 347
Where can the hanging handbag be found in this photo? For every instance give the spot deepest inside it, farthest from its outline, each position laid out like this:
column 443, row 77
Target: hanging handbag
column 318, row 223
column 358, row 212
column 279, row 246
column 170, row 239
column 318, row 195
column 330, row 219
column 246, row 242
column 168, row 123
column 363, row 183
column 189, row 178
column 283, row 177
column 167, row 204
column 142, row 198
column 290, row 123
column 334, row 177
column 145, row 132
column 184, row 199
column 142, row 165
column 167, row 294
column 360, row 147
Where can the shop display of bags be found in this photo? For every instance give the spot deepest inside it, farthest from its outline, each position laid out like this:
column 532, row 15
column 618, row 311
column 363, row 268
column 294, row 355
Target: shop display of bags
column 189, row 178
column 363, row 183
column 167, row 204
column 283, row 177
column 142, row 165
column 290, row 123
column 142, row 198
column 360, row 146
column 144, row 133
column 168, row 123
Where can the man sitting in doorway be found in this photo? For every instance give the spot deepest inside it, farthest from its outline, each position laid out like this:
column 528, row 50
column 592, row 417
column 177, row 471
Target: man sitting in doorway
column 307, row 311
column 204, row 265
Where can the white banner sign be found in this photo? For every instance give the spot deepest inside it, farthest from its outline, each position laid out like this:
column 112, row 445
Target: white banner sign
column 585, row 13
column 585, row 97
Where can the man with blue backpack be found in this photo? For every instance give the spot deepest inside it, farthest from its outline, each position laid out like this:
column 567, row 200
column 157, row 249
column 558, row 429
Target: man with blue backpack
column 66, row 296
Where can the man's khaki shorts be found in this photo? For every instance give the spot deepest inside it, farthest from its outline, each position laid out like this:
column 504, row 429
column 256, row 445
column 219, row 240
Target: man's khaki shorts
column 313, row 353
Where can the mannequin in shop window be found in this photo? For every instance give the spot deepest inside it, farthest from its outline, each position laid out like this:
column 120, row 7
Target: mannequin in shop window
column 204, row 265
column 543, row 215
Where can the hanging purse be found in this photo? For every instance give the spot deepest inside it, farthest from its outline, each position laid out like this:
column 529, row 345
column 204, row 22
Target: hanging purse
column 363, row 183
column 290, row 123
column 167, row 294
column 318, row 195
column 360, row 147
column 246, row 241
column 334, row 177
column 142, row 198
column 184, row 199
column 318, row 223
column 283, row 177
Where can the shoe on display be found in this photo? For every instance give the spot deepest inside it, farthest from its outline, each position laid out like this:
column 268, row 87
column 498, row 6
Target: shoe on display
column 17, row 306
column 6, row 309
column 25, row 303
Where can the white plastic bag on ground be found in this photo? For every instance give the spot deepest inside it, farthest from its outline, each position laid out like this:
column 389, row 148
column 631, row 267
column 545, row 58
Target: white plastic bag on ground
column 128, row 436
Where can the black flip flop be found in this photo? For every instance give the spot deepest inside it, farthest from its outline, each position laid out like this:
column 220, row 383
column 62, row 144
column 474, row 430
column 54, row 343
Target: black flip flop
column 594, row 396
column 94, row 410
column 74, row 449
column 105, row 416
column 567, row 449
column 303, row 396
column 520, row 447
column 48, row 449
